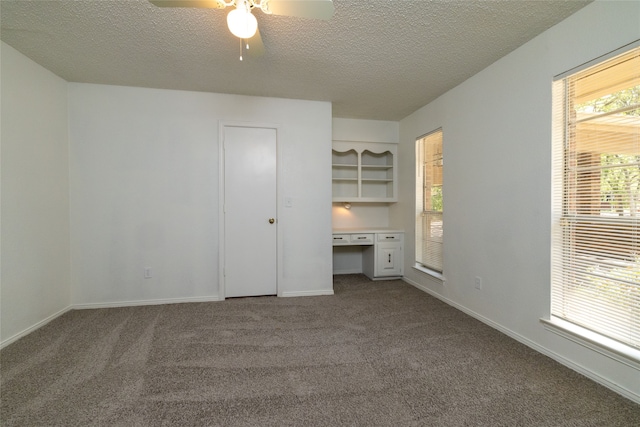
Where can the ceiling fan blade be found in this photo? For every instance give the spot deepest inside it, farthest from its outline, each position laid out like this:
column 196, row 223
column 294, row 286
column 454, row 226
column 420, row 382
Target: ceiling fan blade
column 256, row 47
column 209, row 4
column 315, row 9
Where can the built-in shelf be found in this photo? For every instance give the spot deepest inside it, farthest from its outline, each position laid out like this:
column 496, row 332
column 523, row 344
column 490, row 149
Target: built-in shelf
column 364, row 171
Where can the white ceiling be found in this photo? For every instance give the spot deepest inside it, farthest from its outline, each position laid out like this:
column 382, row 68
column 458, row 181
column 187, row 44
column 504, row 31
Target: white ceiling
column 375, row 59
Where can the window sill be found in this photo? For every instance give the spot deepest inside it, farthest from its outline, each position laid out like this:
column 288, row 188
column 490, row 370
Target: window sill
column 430, row 272
column 594, row 341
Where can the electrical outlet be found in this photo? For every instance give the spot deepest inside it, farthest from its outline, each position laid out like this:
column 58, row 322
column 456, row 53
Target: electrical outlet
column 478, row 282
column 148, row 273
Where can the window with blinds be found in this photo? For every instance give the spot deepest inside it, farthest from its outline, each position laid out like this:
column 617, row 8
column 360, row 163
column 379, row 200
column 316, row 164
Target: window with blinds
column 429, row 201
column 596, row 198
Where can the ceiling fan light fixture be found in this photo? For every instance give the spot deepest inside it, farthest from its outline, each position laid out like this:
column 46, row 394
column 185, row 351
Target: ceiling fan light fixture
column 242, row 23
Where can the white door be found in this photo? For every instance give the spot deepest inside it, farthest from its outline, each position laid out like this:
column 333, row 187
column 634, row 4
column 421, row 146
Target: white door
column 250, row 221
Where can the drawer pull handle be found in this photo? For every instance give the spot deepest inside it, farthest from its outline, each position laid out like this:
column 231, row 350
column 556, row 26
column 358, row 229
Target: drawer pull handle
column 360, row 238
column 389, row 258
column 338, row 238
column 389, row 237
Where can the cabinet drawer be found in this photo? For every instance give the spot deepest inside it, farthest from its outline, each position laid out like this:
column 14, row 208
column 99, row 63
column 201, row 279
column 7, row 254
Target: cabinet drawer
column 362, row 239
column 341, row 239
column 389, row 237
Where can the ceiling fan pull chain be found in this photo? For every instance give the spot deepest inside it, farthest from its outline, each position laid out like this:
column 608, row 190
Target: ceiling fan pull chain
column 240, row 49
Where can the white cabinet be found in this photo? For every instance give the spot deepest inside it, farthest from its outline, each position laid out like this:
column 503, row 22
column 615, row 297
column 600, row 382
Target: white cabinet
column 388, row 257
column 364, row 171
column 384, row 259
column 381, row 252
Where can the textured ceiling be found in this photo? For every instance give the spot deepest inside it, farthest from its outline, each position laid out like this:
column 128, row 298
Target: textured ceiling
column 375, row 59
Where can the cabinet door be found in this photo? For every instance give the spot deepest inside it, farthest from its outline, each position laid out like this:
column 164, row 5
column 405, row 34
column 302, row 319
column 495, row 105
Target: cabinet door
column 388, row 259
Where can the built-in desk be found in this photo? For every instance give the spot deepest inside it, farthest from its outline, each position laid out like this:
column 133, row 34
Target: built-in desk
column 379, row 251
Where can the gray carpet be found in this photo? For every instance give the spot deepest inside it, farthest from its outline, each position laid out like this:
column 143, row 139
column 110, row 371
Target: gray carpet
column 375, row 354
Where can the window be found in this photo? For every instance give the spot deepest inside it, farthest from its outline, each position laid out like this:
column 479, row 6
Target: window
column 596, row 199
column 429, row 201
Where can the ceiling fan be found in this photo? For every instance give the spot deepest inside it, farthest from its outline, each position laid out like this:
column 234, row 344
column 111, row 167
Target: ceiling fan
column 244, row 25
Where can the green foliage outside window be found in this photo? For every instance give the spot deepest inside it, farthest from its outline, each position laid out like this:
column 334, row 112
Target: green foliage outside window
column 436, row 198
column 620, row 185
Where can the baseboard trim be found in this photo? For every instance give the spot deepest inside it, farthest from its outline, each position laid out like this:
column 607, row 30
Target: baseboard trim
column 134, row 303
column 307, row 293
column 30, row 329
column 348, row 271
column 535, row 346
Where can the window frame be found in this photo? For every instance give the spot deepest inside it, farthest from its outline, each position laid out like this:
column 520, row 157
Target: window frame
column 561, row 199
column 424, row 210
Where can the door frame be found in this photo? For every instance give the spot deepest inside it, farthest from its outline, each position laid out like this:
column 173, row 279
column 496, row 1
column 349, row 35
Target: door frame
column 222, row 124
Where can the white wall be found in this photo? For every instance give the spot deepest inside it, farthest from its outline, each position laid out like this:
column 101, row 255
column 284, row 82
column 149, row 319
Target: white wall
column 497, row 184
column 144, row 192
column 365, row 130
column 35, row 195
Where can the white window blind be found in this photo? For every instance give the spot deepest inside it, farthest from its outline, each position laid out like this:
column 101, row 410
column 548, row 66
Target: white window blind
column 429, row 230
column 596, row 198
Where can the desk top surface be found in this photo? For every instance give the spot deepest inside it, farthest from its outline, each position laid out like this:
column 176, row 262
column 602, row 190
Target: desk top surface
column 366, row 230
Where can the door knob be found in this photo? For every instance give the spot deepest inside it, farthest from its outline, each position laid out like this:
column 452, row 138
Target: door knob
column 272, row 220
